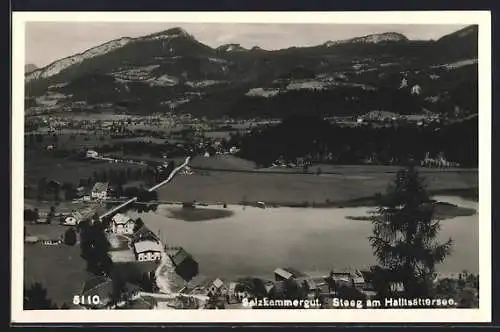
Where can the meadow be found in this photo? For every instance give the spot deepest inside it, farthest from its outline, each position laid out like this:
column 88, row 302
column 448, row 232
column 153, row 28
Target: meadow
column 59, row 268
column 346, row 185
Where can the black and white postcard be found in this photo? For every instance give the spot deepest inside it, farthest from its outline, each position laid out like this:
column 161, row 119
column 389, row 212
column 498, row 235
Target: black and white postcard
column 251, row 167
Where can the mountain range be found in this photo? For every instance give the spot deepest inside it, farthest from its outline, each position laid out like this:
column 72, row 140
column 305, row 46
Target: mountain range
column 172, row 71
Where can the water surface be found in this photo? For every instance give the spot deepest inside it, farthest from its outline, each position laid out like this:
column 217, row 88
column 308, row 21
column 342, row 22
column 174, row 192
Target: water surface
column 255, row 241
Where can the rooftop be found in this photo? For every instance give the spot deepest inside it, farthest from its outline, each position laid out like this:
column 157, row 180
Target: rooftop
column 144, row 246
column 121, row 256
column 100, row 186
column 121, row 219
column 283, row 273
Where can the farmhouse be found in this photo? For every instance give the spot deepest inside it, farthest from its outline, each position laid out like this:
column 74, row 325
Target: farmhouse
column 122, row 224
column 100, row 191
column 92, row 154
column 147, row 251
column 281, row 275
column 185, row 265
column 143, row 234
column 70, row 221
column 208, row 287
column 101, row 289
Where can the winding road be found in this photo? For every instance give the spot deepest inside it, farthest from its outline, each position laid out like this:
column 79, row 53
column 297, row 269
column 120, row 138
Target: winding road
column 133, row 199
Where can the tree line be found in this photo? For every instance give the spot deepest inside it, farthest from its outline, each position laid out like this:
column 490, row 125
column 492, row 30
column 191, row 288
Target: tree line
column 320, row 141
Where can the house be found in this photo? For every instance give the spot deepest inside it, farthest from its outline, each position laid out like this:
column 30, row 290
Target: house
column 143, row 234
column 100, row 290
column 207, row 287
column 358, row 280
column 218, row 287
column 281, row 275
column 185, row 265
column 100, row 191
column 148, row 251
column 342, row 278
column 91, row 154
column 122, row 224
column 70, row 221
column 416, row 90
column 296, row 273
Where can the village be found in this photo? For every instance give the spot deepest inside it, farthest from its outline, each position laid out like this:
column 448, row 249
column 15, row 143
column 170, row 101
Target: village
column 152, row 274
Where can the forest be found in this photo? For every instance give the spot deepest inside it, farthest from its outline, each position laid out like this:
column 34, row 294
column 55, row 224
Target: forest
column 319, row 141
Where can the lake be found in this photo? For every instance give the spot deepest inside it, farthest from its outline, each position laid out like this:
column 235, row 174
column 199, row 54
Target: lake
column 252, row 241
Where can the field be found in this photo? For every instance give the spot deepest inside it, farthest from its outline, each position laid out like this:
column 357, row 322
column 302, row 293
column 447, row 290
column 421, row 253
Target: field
column 40, row 164
column 59, row 269
column 223, row 162
column 234, row 187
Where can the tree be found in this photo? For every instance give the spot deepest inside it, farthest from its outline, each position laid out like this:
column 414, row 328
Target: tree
column 41, row 188
column 69, row 191
column 51, row 214
column 138, row 224
column 35, row 298
column 330, row 281
column 70, row 237
column 404, row 234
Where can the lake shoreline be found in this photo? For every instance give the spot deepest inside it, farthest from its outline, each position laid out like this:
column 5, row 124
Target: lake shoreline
column 369, row 201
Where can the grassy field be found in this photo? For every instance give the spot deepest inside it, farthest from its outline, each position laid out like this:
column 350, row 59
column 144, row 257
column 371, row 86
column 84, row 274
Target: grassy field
column 234, row 187
column 230, row 162
column 223, row 162
column 60, row 269
column 39, row 164
column 82, row 139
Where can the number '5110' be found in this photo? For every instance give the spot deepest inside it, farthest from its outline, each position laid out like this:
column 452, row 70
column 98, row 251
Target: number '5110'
column 81, row 300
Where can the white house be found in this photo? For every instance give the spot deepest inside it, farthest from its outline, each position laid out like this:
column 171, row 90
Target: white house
column 100, row 191
column 92, row 154
column 148, row 251
column 70, row 221
column 122, row 224
column 416, row 90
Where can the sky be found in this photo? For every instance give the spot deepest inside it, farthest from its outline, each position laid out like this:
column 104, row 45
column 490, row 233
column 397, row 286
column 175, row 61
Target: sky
column 49, row 41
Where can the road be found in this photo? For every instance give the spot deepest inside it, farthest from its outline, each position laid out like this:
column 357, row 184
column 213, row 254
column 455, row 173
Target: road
column 133, row 199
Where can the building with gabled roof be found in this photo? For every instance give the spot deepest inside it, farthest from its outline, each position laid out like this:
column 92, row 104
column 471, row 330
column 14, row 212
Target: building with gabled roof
column 281, row 274
column 100, row 191
column 148, row 250
column 122, row 224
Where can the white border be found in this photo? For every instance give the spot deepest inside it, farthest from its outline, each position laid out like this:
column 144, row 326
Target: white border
column 482, row 18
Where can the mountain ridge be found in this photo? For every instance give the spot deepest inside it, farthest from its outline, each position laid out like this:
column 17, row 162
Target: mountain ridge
column 172, row 71
column 60, row 64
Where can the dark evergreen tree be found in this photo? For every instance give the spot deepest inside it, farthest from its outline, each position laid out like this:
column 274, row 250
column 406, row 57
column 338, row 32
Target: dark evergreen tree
column 404, row 234
column 35, row 298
